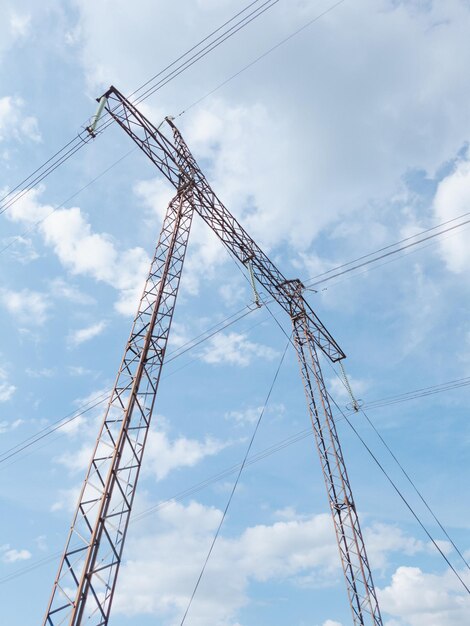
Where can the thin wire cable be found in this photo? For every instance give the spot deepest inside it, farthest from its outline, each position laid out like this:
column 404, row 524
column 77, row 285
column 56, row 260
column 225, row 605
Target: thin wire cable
column 37, row 170
column 313, row 281
column 60, row 423
column 40, row 177
column 64, row 202
column 136, row 91
column 419, row 393
column 207, row 49
column 401, row 467
column 280, row 445
column 229, row 501
column 408, row 505
column 399, row 493
column 276, row 447
column 79, row 142
column 412, row 483
column 9, row 454
column 403, row 470
column 260, row 57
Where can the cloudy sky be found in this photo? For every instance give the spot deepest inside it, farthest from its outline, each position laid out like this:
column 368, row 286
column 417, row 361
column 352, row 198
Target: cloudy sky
column 349, row 137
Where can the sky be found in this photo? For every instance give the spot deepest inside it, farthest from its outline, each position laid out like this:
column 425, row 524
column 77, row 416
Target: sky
column 350, row 136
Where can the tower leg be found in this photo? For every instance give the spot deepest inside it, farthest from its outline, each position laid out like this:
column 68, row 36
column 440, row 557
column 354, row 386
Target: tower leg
column 361, row 591
column 86, row 580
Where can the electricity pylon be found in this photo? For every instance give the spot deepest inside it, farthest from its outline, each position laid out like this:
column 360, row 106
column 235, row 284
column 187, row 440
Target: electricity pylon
column 86, row 581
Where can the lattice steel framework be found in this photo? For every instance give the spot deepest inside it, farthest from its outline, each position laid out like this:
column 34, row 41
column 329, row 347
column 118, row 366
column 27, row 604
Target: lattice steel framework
column 88, row 571
column 360, row 586
column 86, row 580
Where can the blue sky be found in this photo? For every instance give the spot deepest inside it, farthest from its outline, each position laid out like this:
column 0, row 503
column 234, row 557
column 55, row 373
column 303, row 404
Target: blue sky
column 351, row 136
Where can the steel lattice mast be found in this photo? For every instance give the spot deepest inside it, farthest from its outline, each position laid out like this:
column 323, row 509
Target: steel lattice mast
column 90, row 568
column 86, row 580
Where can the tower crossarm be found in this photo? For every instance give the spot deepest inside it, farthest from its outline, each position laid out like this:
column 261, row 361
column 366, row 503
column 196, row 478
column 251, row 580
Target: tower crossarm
column 175, row 161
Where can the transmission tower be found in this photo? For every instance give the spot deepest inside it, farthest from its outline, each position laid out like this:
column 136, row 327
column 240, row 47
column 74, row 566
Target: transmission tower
column 85, row 584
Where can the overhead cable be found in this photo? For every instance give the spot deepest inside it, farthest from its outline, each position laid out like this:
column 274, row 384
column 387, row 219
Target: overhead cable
column 234, row 487
column 78, row 142
column 345, row 268
column 400, row 465
column 400, row 495
column 384, row 471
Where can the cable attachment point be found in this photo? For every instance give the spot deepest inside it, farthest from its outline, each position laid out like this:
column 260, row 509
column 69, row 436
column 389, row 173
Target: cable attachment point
column 91, row 129
column 355, row 404
column 256, row 297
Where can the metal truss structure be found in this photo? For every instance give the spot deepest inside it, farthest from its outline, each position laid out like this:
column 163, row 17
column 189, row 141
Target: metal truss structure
column 86, row 581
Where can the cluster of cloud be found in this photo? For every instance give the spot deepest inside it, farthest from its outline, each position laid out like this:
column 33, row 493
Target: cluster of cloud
column 7, row 389
column 298, row 550
column 81, row 251
column 12, row 555
column 451, row 201
column 417, row 598
column 235, row 349
column 14, row 124
column 164, row 454
column 82, row 335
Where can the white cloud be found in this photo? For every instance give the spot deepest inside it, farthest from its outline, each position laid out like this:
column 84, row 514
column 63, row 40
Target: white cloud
column 310, row 155
column 235, row 349
column 20, row 24
column 83, row 252
column 339, row 391
column 67, row 499
column 21, row 249
column 383, row 539
column 300, row 549
column 15, row 125
column 451, row 200
column 81, row 335
column 160, row 575
column 250, row 415
column 64, row 289
column 6, row 389
column 27, row 306
column 11, row 555
column 79, row 370
column 163, row 455
column 420, row 599
column 6, row 427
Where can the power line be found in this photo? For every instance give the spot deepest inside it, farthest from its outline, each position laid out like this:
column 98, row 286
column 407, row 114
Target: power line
column 381, row 467
column 75, row 144
column 198, row 340
column 419, row 393
column 235, row 485
column 67, row 419
column 412, row 483
column 260, row 57
column 64, row 202
column 196, row 488
column 218, row 41
column 344, row 268
column 400, row 494
column 409, row 396
column 136, row 91
column 280, row 445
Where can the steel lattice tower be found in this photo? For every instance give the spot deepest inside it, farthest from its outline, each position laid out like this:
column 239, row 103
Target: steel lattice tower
column 86, row 581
